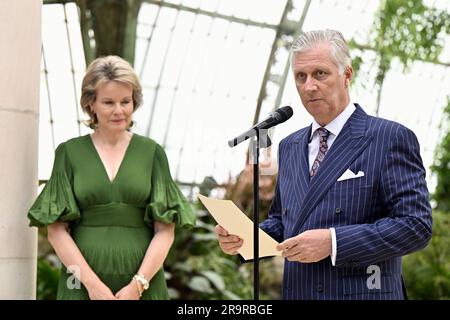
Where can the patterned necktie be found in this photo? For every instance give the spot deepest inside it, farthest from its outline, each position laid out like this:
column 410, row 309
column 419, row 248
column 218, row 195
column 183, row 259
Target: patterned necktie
column 323, row 148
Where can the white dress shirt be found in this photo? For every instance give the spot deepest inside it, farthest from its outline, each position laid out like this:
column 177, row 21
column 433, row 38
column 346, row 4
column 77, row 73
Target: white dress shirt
column 334, row 127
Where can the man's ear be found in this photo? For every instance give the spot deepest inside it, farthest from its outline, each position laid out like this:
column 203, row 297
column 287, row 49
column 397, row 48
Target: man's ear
column 348, row 74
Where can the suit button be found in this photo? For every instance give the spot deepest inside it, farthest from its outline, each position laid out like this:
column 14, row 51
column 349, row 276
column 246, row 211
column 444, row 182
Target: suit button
column 319, row 287
column 338, row 210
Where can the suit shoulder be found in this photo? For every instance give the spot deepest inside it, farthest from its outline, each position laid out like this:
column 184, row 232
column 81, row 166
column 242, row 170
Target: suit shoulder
column 380, row 126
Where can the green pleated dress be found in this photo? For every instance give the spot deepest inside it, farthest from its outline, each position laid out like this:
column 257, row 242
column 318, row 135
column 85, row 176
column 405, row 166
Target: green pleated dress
column 111, row 221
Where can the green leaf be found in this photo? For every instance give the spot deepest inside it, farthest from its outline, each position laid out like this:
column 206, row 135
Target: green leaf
column 215, row 279
column 230, row 295
column 200, row 284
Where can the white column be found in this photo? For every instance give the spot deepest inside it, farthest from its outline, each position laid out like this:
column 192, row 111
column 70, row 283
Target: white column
column 20, row 56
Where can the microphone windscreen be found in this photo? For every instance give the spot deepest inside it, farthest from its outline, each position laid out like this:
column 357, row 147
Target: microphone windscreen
column 284, row 113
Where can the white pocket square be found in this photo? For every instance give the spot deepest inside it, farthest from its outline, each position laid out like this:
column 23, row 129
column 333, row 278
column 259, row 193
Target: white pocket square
column 348, row 174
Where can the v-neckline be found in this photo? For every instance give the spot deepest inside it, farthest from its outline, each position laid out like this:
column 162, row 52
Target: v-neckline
column 102, row 164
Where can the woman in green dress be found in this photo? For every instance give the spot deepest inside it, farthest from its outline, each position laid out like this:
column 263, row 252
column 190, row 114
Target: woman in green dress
column 110, row 205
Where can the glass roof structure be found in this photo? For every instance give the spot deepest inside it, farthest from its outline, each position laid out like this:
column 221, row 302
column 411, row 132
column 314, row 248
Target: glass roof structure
column 207, row 76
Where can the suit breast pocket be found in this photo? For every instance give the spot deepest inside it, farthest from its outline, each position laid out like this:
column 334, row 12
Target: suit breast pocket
column 352, row 184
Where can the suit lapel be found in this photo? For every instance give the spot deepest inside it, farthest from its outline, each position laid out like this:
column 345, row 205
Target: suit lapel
column 345, row 149
column 299, row 162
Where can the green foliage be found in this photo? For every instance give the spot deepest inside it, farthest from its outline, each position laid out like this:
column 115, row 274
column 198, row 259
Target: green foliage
column 406, row 30
column 441, row 168
column 48, row 268
column 409, row 31
column 198, row 269
column 47, row 279
column 427, row 272
column 196, row 266
column 356, row 64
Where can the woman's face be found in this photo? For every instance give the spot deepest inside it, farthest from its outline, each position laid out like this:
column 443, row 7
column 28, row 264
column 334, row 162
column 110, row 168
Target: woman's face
column 113, row 106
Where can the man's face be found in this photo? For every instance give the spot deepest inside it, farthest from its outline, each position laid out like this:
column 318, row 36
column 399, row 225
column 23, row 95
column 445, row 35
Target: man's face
column 323, row 91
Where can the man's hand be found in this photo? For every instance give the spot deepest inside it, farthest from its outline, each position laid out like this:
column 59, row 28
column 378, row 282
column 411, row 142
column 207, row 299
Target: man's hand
column 309, row 246
column 229, row 244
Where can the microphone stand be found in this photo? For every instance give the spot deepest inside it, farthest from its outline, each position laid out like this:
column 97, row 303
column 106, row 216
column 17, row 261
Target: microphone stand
column 255, row 151
column 256, row 144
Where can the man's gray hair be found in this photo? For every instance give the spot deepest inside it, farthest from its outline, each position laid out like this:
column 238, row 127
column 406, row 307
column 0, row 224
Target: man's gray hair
column 338, row 47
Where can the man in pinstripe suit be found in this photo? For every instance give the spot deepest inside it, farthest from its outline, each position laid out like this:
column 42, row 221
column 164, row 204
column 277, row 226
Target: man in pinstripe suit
column 351, row 197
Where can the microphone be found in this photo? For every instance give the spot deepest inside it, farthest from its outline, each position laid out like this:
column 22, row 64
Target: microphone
column 278, row 116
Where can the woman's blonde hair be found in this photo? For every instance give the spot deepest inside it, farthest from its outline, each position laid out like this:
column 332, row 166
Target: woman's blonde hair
column 101, row 71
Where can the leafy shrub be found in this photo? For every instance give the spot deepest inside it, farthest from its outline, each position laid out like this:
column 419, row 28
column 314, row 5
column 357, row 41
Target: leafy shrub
column 427, row 272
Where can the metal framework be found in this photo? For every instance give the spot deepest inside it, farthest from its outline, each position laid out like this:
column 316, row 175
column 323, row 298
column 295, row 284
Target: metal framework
column 274, row 78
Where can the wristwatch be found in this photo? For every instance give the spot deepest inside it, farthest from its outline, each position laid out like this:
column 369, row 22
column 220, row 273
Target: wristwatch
column 140, row 278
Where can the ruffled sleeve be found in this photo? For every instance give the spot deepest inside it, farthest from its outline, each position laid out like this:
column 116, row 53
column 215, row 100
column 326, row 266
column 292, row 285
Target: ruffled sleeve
column 167, row 204
column 56, row 202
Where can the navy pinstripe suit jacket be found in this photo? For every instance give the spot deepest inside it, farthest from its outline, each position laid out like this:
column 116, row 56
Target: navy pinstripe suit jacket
column 378, row 217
